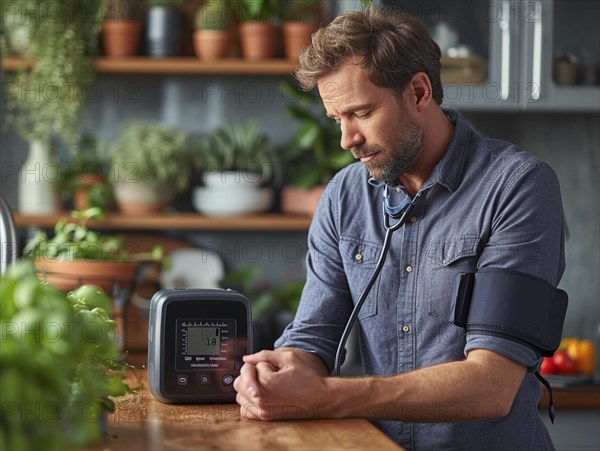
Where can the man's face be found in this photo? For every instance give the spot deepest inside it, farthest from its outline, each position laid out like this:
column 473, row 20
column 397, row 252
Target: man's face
column 375, row 126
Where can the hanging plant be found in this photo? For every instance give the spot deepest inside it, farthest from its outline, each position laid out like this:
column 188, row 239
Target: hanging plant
column 50, row 97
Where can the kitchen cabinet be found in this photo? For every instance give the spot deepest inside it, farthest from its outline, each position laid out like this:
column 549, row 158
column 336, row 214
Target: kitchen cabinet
column 561, row 47
column 519, row 43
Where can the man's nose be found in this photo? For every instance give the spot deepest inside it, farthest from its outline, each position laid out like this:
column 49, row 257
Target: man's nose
column 351, row 136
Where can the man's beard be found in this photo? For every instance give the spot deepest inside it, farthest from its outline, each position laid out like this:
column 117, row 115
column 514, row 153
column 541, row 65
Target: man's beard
column 396, row 161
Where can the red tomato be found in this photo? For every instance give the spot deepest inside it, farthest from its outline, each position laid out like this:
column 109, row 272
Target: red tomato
column 548, row 366
column 564, row 363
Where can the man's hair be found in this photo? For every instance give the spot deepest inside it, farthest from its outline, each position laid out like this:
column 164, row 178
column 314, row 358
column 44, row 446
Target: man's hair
column 391, row 44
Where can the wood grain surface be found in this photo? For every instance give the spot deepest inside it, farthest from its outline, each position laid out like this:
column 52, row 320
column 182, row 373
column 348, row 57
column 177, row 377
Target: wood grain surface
column 141, row 422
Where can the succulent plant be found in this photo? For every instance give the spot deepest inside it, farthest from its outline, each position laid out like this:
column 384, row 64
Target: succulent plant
column 147, row 150
column 214, row 15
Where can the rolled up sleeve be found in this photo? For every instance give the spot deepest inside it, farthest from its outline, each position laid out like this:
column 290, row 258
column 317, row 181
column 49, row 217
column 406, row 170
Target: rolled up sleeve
column 326, row 302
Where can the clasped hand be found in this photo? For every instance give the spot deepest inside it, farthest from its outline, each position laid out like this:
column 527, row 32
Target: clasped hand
column 283, row 384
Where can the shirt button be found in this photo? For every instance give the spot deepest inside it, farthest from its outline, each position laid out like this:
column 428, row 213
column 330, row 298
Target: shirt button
column 405, row 328
column 409, row 268
column 413, row 219
column 358, row 257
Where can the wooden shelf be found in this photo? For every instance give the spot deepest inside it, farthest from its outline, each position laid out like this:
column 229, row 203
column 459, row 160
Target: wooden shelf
column 454, row 70
column 178, row 221
column 178, row 65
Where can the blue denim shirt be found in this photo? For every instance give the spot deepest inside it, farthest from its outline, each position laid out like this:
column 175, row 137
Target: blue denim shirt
column 486, row 204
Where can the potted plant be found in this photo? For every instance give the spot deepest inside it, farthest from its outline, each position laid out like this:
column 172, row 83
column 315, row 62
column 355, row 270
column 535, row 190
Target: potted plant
column 300, row 20
column 213, row 36
column 51, row 363
column 163, row 32
column 48, row 100
column 150, row 164
column 84, row 179
column 76, row 255
column 257, row 29
column 313, row 156
column 121, row 28
column 235, row 162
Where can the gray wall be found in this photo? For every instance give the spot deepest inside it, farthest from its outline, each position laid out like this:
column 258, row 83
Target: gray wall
column 569, row 142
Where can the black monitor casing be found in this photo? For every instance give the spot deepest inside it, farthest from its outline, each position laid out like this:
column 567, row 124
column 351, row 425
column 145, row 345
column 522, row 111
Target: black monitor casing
column 177, row 373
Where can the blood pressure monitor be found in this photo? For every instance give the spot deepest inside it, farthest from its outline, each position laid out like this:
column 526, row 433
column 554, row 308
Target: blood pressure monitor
column 197, row 338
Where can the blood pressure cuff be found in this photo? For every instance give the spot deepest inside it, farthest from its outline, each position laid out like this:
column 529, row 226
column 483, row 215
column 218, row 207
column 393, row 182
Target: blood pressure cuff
column 511, row 305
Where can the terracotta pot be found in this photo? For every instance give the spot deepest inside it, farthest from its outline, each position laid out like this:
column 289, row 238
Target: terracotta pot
column 212, row 44
column 300, row 201
column 258, row 40
column 67, row 275
column 121, row 38
column 81, row 200
column 296, row 36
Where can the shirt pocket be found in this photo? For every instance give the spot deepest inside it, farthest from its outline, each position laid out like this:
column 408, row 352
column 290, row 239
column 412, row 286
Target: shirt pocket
column 446, row 259
column 360, row 259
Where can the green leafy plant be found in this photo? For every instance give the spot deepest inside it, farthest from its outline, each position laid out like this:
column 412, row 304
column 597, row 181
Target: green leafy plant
column 122, row 10
column 283, row 297
column 57, row 376
column 91, row 156
column 264, row 297
column 14, row 38
column 257, row 10
column 90, row 164
column 315, row 153
column 152, row 151
column 237, row 147
column 72, row 241
column 50, row 97
column 298, row 10
column 213, row 15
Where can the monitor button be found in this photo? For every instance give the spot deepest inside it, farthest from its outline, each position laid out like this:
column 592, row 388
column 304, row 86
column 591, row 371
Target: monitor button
column 228, row 379
column 204, row 379
column 182, row 379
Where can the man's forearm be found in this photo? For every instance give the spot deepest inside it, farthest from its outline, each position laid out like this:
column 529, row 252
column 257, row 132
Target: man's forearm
column 483, row 386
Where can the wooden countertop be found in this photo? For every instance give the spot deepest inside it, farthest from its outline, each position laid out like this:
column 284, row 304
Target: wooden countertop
column 141, row 422
column 576, row 397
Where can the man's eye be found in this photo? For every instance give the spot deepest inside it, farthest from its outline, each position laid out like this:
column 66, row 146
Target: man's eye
column 363, row 114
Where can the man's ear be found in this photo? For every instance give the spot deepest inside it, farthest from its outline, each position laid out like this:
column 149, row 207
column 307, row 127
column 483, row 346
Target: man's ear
column 420, row 87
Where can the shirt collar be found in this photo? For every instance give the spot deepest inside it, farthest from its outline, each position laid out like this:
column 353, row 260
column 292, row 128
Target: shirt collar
column 449, row 170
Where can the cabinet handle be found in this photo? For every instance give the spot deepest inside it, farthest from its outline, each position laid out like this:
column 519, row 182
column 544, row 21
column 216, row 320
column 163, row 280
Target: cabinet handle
column 504, row 25
column 536, row 73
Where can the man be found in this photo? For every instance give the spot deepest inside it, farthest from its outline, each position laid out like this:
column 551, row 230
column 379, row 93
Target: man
column 479, row 203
